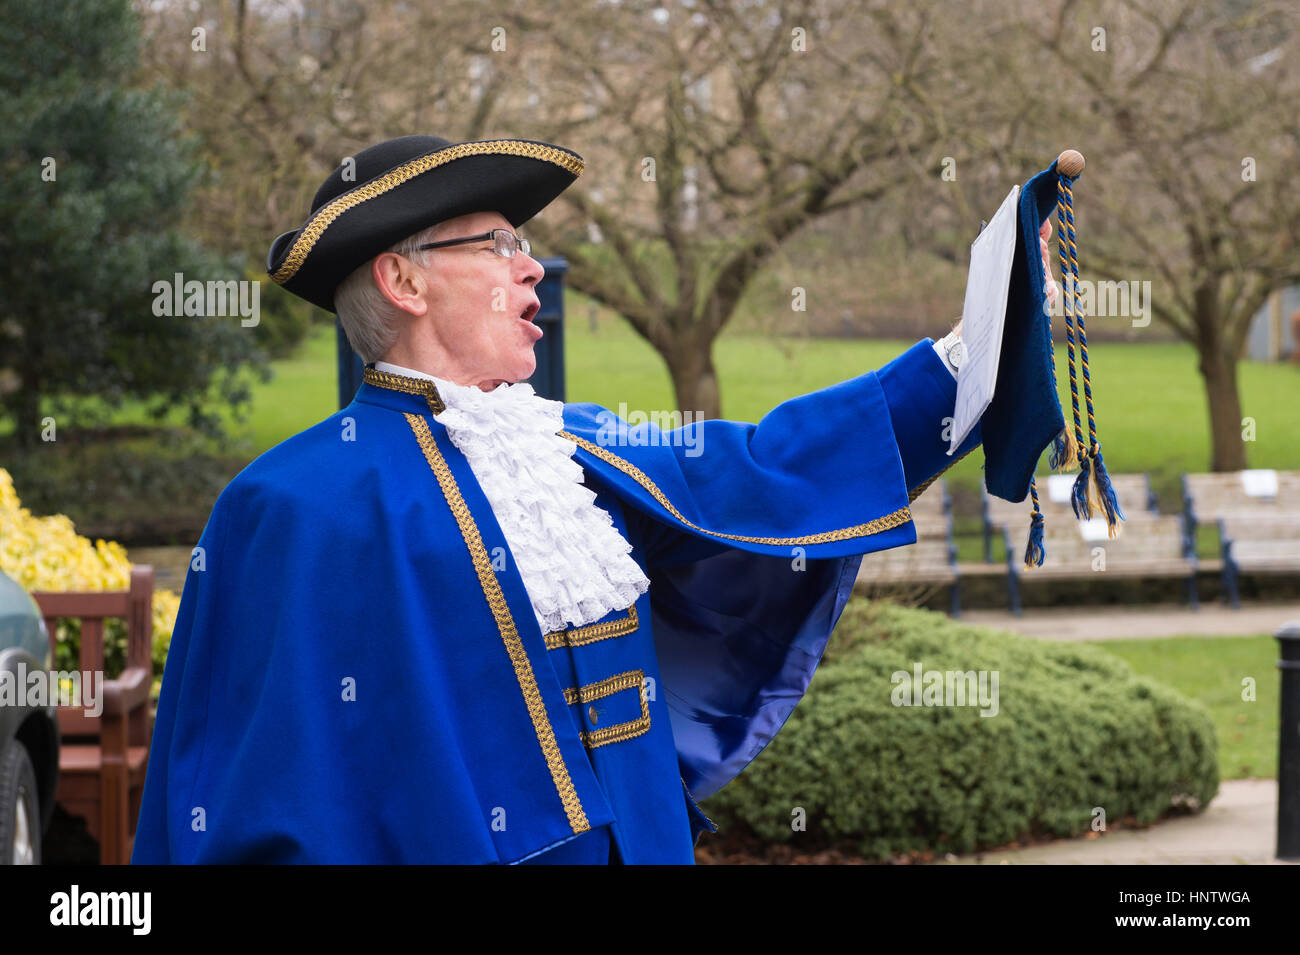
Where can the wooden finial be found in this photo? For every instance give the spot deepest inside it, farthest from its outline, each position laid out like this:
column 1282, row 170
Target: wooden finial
column 1070, row 163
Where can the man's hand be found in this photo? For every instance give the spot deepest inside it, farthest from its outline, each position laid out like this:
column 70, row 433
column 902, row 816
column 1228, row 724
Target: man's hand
column 1044, row 236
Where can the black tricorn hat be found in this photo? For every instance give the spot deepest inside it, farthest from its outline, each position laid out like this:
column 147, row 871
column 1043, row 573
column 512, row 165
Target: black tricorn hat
column 398, row 187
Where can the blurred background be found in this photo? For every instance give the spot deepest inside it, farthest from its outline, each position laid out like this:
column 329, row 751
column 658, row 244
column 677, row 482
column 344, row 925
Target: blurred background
column 777, row 196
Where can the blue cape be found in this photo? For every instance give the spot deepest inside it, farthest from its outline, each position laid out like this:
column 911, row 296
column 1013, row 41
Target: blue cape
column 356, row 673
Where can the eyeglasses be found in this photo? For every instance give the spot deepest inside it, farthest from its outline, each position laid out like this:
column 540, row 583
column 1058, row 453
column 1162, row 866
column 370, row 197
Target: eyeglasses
column 506, row 243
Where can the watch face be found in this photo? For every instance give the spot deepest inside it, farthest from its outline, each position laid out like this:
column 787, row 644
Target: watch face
column 956, row 354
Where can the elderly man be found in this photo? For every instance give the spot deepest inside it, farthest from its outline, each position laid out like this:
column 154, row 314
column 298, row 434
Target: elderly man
column 456, row 622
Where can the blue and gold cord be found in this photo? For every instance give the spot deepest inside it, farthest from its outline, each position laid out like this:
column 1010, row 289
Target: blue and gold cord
column 1092, row 489
column 1035, row 552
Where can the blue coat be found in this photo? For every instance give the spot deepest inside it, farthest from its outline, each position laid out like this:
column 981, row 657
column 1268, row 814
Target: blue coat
column 357, row 674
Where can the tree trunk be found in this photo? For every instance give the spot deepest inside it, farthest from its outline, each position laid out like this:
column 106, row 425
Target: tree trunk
column 1228, row 449
column 695, row 380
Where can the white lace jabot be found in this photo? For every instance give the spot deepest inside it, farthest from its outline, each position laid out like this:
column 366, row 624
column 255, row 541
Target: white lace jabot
column 575, row 564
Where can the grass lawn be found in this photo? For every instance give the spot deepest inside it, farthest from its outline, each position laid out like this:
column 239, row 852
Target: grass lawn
column 1150, row 404
column 1151, row 410
column 304, row 390
column 1210, row 671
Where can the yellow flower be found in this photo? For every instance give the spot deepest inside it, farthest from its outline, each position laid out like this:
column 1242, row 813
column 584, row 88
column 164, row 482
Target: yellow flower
column 46, row 553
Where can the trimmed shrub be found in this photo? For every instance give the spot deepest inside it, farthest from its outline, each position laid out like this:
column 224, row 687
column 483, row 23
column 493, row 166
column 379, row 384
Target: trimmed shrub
column 1075, row 731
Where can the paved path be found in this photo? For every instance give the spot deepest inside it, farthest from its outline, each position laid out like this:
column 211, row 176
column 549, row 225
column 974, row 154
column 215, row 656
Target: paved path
column 1239, row 827
column 1156, row 620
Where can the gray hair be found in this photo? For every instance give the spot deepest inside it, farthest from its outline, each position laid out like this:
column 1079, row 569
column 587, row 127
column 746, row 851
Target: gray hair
column 369, row 319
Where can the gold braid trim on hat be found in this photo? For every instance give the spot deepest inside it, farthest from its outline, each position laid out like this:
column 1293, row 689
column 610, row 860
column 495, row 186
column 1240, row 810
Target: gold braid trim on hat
column 327, row 213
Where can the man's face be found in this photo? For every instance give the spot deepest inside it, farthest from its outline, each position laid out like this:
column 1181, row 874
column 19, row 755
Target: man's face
column 482, row 304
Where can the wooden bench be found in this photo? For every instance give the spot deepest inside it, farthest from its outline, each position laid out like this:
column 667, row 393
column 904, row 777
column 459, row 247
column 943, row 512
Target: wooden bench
column 1258, row 545
column 102, row 760
column 1158, row 546
column 931, row 560
column 1136, row 499
column 1209, row 498
column 932, row 513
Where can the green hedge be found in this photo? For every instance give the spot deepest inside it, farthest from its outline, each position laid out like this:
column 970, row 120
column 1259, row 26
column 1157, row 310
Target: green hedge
column 1075, row 729
column 133, row 484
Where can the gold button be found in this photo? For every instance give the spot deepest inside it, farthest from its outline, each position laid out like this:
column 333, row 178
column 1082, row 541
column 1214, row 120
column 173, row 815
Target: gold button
column 592, row 714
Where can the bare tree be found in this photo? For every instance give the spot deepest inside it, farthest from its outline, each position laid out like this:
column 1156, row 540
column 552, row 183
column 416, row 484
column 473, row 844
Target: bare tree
column 714, row 132
column 1201, row 127
column 1187, row 114
column 282, row 93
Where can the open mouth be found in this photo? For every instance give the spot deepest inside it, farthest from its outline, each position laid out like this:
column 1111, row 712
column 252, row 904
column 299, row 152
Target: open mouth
column 530, row 312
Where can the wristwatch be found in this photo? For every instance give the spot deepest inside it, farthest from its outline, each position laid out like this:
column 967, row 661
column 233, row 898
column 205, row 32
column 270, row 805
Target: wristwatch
column 952, row 351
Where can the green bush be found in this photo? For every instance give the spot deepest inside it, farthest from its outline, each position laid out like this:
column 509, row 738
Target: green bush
column 131, row 484
column 284, row 319
column 1075, row 729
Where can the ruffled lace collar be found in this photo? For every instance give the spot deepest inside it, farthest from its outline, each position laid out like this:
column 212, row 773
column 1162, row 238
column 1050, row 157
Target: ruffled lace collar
column 574, row 563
